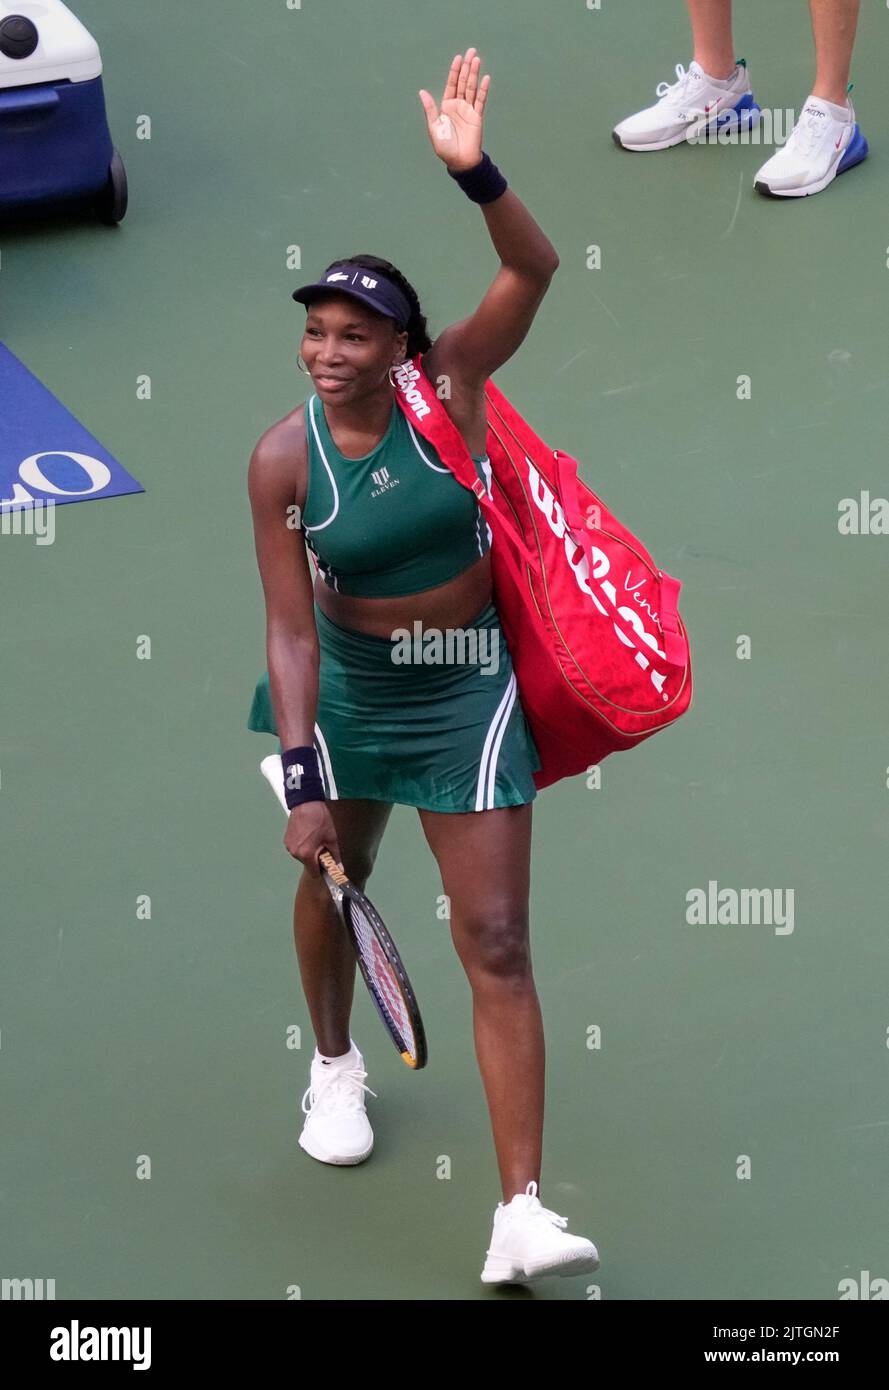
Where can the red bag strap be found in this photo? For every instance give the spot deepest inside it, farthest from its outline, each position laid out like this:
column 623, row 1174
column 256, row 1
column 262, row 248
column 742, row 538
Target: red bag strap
column 675, row 640
column 566, row 482
column 413, row 390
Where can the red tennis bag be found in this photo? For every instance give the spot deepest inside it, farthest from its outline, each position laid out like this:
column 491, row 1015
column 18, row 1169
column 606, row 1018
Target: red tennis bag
column 599, row 650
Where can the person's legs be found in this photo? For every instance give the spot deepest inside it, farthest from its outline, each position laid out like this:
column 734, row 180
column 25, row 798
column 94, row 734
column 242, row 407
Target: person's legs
column 484, row 860
column 834, row 23
column 826, row 140
column 711, row 26
column 326, row 955
column 714, row 92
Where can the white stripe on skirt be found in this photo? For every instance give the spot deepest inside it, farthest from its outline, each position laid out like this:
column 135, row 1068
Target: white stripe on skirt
column 327, row 767
column 488, row 764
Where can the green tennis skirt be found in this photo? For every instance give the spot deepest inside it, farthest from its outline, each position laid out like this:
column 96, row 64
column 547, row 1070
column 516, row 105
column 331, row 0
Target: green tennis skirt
column 428, row 718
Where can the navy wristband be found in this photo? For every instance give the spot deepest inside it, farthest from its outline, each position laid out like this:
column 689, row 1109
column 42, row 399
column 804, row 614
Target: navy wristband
column 302, row 776
column 483, row 183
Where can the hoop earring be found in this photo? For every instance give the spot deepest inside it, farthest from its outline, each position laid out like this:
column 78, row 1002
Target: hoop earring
column 394, row 367
column 302, row 368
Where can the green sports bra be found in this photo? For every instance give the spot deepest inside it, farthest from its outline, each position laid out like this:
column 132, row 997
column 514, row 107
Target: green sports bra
column 393, row 522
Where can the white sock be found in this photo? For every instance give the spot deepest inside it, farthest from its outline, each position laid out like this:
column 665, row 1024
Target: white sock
column 722, row 81
column 839, row 113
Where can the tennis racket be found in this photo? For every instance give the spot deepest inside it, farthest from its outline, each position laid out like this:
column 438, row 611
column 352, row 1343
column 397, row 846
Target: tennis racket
column 378, row 959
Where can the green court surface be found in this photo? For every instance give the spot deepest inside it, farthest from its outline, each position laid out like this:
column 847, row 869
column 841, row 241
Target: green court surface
column 119, row 777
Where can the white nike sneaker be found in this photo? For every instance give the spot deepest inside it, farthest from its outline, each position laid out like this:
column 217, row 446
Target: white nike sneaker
column 819, row 147
column 693, row 105
column 337, row 1129
column 530, row 1242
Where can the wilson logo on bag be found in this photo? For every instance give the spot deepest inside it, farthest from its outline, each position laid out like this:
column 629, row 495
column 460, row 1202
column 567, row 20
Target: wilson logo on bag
column 598, row 647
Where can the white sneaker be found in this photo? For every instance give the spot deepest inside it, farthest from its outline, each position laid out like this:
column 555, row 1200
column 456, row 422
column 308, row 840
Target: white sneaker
column 530, row 1242
column 337, row 1129
column 819, row 147
column 693, row 105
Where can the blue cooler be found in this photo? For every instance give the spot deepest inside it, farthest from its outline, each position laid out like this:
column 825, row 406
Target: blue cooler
column 54, row 136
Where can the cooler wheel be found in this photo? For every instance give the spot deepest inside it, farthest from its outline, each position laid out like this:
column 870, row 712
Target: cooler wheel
column 111, row 203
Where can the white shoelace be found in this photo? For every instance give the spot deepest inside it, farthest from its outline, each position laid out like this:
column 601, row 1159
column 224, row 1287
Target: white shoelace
column 536, row 1209
column 331, row 1088
column 809, row 132
column 666, row 88
column 678, row 90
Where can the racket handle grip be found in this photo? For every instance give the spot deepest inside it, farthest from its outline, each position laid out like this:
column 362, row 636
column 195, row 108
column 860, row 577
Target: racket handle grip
column 326, row 859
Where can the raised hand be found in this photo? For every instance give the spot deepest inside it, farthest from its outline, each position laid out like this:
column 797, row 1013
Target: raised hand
column 456, row 130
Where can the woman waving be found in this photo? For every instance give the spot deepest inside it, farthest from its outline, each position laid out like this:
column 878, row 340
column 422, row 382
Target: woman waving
column 398, row 541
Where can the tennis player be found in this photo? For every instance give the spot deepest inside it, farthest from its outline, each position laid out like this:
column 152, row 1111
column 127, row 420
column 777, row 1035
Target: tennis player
column 397, row 540
column 826, row 139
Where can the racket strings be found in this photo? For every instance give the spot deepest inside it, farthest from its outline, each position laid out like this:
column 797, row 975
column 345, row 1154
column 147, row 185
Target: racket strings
column 382, row 976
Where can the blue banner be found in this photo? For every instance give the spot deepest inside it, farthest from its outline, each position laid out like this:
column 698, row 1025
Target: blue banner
column 44, row 452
